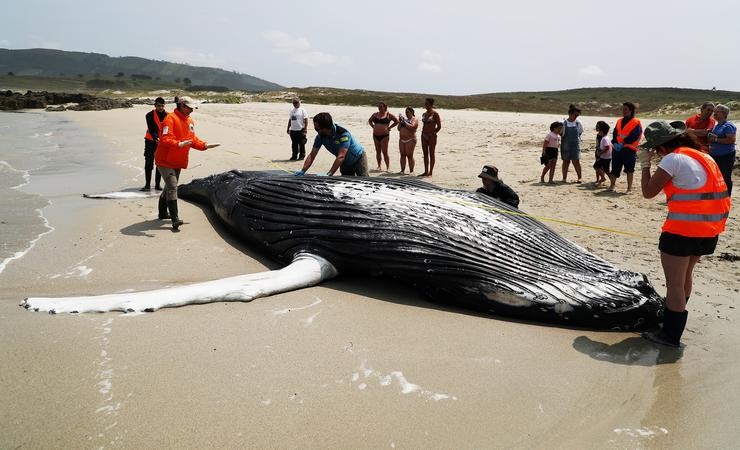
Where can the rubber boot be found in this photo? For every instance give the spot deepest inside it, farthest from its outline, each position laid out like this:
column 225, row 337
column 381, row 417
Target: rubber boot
column 172, row 206
column 673, row 325
column 163, row 208
column 147, row 180
column 157, row 180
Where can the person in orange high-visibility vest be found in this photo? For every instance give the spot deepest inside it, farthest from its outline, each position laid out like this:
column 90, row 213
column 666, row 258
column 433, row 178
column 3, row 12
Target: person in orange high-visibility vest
column 625, row 139
column 154, row 120
column 178, row 137
column 698, row 207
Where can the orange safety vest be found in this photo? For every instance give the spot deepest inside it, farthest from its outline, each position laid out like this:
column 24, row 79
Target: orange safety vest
column 698, row 212
column 623, row 133
column 148, row 135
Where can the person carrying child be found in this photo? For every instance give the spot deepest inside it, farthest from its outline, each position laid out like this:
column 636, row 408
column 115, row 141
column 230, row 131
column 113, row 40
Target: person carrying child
column 550, row 151
column 603, row 152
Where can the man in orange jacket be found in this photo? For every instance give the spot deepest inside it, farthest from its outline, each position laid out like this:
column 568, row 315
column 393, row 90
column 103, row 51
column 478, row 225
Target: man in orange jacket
column 178, row 137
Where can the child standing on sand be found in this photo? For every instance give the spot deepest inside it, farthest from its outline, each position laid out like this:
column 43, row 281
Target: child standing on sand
column 550, row 151
column 603, row 152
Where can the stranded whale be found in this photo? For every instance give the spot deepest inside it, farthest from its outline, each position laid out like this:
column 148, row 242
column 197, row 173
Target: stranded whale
column 460, row 248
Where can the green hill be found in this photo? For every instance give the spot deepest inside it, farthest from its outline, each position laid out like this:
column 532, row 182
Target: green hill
column 52, row 64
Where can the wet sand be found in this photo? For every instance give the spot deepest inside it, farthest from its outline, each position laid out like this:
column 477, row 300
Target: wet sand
column 359, row 363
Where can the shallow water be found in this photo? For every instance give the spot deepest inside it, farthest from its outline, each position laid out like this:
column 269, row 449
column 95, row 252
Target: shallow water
column 44, row 159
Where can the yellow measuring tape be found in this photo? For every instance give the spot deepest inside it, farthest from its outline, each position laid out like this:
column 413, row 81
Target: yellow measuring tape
column 545, row 219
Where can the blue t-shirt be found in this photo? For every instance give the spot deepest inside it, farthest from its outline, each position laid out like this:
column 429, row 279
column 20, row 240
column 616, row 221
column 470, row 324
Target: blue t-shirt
column 722, row 131
column 341, row 138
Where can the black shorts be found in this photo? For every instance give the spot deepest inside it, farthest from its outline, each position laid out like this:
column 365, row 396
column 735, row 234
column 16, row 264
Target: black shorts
column 551, row 153
column 602, row 164
column 677, row 245
column 624, row 158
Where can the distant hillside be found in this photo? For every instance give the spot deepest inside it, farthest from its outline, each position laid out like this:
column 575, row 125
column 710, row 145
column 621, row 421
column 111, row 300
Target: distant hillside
column 49, row 63
column 593, row 101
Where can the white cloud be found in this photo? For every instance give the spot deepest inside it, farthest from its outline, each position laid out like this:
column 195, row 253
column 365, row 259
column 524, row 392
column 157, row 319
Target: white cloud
column 431, row 61
column 428, row 67
column 431, row 56
column 299, row 50
column 591, row 71
column 183, row 56
column 5, row 43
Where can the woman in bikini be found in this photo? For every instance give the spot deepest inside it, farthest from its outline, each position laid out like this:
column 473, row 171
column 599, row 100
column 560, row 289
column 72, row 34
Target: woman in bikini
column 382, row 122
column 432, row 125
column 407, row 138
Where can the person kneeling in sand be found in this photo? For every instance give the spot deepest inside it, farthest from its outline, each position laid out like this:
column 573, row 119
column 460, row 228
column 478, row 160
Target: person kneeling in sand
column 494, row 187
column 178, row 137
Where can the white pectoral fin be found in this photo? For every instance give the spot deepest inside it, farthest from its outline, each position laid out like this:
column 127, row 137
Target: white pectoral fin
column 305, row 270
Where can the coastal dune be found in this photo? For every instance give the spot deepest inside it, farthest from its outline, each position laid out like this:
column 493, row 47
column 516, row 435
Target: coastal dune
column 354, row 362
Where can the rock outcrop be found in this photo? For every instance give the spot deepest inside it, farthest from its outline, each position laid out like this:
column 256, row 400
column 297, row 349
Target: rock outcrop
column 10, row 100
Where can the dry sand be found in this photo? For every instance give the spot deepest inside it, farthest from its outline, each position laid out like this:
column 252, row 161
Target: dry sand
column 353, row 363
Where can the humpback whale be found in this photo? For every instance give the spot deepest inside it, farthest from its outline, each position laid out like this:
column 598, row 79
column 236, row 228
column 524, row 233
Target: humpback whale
column 460, row 248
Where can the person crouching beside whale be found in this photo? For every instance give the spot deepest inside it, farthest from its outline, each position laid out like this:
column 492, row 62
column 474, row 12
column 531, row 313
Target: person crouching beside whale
column 494, row 187
column 698, row 206
column 350, row 156
column 177, row 138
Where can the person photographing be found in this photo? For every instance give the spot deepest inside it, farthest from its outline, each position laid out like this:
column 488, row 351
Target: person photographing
column 698, row 207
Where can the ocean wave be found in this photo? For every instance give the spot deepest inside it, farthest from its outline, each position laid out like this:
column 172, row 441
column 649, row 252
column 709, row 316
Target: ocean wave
column 19, row 254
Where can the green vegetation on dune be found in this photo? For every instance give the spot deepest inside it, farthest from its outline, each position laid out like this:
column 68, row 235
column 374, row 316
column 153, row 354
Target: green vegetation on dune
column 593, row 101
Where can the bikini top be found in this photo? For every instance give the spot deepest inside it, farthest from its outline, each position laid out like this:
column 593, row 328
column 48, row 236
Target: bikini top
column 428, row 119
column 384, row 121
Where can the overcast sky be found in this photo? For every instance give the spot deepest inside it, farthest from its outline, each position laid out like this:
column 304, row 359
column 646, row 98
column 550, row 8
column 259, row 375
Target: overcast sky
column 437, row 47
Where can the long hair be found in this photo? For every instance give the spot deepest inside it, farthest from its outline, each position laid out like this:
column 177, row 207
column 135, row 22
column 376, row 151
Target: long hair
column 631, row 107
column 602, row 127
column 686, row 139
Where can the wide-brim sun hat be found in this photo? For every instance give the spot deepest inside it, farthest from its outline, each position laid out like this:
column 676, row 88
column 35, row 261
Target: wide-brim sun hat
column 662, row 131
column 489, row 172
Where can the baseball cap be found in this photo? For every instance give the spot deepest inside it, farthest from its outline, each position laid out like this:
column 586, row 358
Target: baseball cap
column 187, row 101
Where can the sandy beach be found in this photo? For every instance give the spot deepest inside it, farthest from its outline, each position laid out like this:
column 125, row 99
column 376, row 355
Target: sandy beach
column 354, row 362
